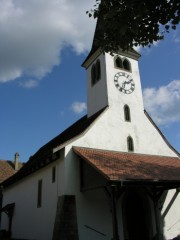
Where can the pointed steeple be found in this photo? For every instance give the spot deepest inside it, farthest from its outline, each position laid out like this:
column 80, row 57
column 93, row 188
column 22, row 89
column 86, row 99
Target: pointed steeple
column 96, row 41
column 98, row 34
column 96, row 45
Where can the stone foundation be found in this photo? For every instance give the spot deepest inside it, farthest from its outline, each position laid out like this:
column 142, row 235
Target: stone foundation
column 65, row 226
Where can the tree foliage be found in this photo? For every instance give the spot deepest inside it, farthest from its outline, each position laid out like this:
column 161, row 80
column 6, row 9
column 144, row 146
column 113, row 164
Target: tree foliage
column 128, row 23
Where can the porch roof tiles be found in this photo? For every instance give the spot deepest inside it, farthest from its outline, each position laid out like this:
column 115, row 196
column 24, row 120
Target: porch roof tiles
column 117, row 166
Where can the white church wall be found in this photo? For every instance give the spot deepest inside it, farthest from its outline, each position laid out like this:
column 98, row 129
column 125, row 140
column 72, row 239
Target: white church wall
column 146, row 138
column 117, row 98
column 111, row 130
column 28, row 220
column 172, row 218
column 93, row 209
column 96, row 101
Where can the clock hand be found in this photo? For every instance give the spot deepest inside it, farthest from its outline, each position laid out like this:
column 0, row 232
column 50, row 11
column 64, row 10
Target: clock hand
column 127, row 82
column 124, row 83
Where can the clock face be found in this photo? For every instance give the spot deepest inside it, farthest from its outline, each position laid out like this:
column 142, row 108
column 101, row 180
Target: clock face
column 124, row 82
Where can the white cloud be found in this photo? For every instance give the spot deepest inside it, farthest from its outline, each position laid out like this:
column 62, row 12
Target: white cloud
column 79, row 107
column 177, row 40
column 34, row 32
column 163, row 103
column 147, row 50
column 176, row 36
column 29, row 83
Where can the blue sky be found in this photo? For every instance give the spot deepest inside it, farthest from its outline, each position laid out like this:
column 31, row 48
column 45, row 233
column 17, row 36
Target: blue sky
column 42, row 83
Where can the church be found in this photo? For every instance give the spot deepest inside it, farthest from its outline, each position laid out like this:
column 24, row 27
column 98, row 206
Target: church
column 110, row 175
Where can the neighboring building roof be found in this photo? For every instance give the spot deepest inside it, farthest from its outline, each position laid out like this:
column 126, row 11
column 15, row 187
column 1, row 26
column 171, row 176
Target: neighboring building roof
column 123, row 166
column 44, row 155
column 7, row 169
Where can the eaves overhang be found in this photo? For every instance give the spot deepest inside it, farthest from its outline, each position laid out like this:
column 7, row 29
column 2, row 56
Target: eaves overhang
column 96, row 52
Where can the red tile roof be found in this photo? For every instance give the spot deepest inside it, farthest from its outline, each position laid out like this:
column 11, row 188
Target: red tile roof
column 117, row 166
column 6, row 170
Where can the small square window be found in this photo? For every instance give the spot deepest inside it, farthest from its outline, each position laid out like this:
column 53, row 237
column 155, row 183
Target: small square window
column 39, row 194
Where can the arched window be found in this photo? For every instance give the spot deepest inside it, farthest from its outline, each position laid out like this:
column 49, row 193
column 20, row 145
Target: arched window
column 95, row 73
column 118, row 62
column 126, row 65
column 98, row 70
column 122, row 63
column 127, row 115
column 130, row 144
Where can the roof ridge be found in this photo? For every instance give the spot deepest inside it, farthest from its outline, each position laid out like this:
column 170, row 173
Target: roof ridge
column 38, row 160
column 2, row 160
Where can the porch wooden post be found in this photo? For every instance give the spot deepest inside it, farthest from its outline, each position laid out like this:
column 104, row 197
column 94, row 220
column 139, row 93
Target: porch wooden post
column 158, row 230
column 156, row 220
column 114, row 214
column 155, row 195
column 1, row 199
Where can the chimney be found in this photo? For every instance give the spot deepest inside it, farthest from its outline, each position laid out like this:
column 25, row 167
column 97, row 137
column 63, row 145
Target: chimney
column 16, row 161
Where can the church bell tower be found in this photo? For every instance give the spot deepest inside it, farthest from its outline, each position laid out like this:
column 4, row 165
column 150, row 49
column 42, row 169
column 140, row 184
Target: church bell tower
column 112, row 80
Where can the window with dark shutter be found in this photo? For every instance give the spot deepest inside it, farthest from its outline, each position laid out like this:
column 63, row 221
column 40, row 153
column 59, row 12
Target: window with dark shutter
column 130, row 144
column 53, row 174
column 95, row 72
column 39, row 194
column 127, row 115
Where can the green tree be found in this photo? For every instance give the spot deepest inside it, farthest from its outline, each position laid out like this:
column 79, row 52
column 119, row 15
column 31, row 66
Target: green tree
column 127, row 23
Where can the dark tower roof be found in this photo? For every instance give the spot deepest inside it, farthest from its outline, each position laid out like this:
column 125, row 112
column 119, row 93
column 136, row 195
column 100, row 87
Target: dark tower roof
column 98, row 35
